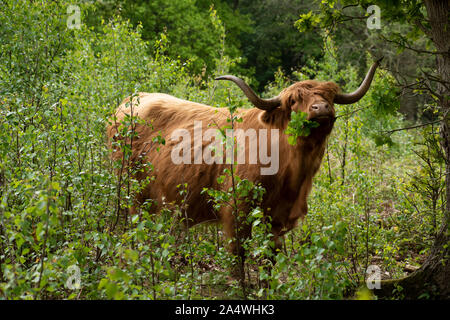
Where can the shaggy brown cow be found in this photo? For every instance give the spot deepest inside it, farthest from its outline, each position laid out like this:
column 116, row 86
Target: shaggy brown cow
column 287, row 188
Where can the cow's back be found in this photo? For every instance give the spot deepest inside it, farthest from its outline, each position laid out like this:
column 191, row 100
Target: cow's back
column 160, row 115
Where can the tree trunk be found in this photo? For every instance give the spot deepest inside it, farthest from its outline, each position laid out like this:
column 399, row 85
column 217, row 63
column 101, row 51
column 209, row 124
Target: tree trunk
column 433, row 278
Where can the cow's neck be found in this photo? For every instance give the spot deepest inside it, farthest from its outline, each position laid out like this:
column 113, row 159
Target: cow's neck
column 303, row 160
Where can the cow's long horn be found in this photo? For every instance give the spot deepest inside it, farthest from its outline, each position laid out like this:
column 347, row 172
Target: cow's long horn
column 263, row 104
column 348, row 98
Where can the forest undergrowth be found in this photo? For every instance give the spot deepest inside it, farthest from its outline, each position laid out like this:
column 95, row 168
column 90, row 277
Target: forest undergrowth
column 65, row 231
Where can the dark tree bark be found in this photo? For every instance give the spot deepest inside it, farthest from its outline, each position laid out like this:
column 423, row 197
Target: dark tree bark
column 433, row 277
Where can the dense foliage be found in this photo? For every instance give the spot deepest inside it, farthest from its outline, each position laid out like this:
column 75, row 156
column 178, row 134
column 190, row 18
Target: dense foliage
column 62, row 203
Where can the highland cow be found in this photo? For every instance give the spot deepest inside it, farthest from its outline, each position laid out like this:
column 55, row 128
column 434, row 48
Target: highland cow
column 287, row 187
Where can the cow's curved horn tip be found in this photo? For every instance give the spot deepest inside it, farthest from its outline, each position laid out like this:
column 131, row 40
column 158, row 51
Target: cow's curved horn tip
column 379, row 59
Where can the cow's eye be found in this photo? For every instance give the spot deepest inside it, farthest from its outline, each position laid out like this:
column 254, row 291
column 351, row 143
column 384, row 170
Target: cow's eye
column 291, row 101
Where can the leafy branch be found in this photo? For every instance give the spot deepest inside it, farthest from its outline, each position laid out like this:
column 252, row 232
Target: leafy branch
column 299, row 126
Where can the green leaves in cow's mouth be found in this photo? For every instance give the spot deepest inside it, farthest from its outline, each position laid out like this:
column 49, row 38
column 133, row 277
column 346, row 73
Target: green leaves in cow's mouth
column 299, row 126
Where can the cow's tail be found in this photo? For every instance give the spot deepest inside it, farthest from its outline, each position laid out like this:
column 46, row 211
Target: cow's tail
column 112, row 129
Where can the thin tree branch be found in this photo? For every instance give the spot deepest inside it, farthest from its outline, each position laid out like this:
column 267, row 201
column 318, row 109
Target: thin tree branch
column 351, row 113
column 419, row 24
column 412, row 127
column 413, row 49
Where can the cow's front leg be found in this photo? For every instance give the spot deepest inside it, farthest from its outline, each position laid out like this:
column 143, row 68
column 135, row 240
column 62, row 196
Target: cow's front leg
column 277, row 239
column 238, row 230
column 276, row 245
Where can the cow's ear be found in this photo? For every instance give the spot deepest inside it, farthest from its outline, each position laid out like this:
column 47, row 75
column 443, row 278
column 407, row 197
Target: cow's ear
column 290, row 100
column 275, row 118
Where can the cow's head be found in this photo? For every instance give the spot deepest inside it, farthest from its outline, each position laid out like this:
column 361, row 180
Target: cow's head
column 315, row 98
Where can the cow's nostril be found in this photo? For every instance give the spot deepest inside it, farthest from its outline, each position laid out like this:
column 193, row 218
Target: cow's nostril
column 320, row 106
